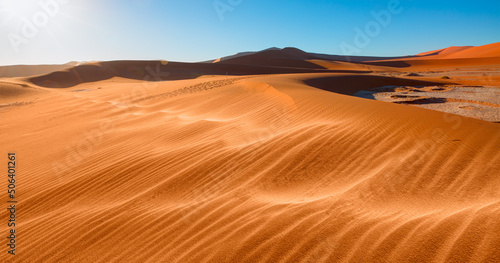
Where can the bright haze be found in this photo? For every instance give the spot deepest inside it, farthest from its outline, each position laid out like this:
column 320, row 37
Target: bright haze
column 57, row 31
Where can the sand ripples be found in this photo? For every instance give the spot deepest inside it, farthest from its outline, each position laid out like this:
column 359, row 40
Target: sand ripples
column 291, row 174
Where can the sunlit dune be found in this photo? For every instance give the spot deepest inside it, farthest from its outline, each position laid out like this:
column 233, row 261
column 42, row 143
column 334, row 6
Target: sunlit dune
column 491, row 50
column 272, row 156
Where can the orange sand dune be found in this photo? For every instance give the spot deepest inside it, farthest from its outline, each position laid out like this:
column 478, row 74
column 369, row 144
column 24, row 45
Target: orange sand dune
column 444, row 51
column 149, row 161
column 248, row 169
column 435, row 64
column 485, row 57
column 164, row 70
column 481, row 57
column 29, row 70
column 491, row 50
column 287, row 57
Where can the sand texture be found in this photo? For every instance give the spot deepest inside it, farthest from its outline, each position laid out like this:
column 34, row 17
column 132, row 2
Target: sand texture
column 258, row 157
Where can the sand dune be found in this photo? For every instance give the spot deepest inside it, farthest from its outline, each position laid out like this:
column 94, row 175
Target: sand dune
column 484, row 58
column 265, row 164
column 443, row 51
column 287, row 57
column 29, row 70
column 491, row 50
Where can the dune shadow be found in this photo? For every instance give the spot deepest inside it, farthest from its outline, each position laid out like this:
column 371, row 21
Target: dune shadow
column 351, row 84
column 423, row 101
column 72, row 76
column 159, row 71
column 138, row 70
column 365, row 94
column 392, row 64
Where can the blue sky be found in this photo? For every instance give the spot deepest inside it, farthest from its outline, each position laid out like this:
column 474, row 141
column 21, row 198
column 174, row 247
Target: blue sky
column 197, row 30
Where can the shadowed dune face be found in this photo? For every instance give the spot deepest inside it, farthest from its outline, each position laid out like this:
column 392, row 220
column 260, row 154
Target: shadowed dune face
column 92, row 72
column 350, row 84
column 259, row 168
column 288, row 57
column 392, row 64
column 163, row 70
column 73, row 76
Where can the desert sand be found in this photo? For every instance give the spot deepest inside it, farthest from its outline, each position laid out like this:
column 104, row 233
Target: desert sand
column 258, row 157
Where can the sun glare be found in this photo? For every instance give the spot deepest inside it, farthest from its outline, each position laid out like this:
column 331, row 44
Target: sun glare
column 16, row 7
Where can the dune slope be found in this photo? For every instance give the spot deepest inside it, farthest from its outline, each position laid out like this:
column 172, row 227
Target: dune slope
column 490, row 50
column 247, row 169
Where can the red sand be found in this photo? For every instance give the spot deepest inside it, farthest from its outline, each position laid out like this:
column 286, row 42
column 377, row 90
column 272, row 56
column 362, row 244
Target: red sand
column 249, row 167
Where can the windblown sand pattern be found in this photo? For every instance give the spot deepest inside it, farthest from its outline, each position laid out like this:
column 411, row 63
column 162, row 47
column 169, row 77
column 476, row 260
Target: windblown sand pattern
column 288, row 167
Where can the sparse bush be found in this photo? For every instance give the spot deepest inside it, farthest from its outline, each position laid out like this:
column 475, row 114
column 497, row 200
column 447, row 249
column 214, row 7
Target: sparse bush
column 445, row 77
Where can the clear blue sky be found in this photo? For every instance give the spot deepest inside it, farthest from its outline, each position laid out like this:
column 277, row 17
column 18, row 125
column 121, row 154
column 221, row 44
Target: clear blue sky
column 192, row 30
